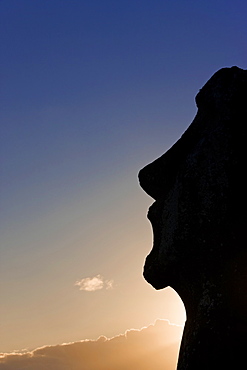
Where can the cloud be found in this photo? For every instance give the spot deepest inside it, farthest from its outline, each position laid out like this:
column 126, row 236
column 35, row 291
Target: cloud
column 153, row 347
column 90, row 284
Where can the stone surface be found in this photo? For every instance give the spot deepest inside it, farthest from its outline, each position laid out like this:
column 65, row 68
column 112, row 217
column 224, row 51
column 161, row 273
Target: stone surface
column 199, row 222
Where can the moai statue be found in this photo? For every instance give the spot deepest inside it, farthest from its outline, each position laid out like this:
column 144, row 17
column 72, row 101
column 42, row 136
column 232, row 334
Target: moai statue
column 199, row 222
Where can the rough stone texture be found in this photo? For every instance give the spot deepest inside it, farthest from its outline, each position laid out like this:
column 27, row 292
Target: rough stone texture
column 199, row 222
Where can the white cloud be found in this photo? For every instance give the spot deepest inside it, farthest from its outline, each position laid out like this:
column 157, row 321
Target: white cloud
column 109, row 284
column 90, row 284
column 153, row 347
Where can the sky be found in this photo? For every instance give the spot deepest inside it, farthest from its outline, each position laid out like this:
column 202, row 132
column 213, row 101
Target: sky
column 92, row 91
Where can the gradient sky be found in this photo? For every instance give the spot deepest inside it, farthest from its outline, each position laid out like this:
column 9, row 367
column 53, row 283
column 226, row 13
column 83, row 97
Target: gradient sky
column 91, row 91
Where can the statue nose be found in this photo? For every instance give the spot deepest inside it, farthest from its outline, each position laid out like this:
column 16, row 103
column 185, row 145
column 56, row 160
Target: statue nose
column 150, row 180
column 158, row 177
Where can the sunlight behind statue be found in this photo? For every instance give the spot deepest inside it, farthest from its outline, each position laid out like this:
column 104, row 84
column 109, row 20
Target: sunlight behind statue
column 199, row 222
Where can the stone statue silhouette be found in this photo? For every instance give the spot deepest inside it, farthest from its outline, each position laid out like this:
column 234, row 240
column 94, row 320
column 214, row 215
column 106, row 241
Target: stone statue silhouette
column 199, row 222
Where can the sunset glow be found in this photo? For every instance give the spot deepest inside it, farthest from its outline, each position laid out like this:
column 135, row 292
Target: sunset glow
column 133, row 349
column 91, row 92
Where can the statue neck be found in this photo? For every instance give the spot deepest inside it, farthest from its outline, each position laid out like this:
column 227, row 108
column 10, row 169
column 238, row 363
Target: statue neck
column 215, row 334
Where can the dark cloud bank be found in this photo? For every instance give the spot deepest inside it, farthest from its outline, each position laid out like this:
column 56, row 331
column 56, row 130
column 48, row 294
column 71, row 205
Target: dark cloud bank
column 155, row 347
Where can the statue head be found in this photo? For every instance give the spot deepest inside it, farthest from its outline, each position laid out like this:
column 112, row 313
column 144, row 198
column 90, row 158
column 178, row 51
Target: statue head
column 199, row 217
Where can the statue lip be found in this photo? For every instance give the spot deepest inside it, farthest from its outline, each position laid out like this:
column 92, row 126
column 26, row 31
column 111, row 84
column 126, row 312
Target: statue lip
column 151, row 211
column 152, row 269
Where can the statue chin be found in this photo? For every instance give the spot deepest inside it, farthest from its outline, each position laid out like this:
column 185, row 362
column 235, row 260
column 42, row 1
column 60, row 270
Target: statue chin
column 154, row 274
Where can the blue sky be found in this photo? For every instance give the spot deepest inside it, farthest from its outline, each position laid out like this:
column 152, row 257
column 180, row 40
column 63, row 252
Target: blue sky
column 92, row 91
